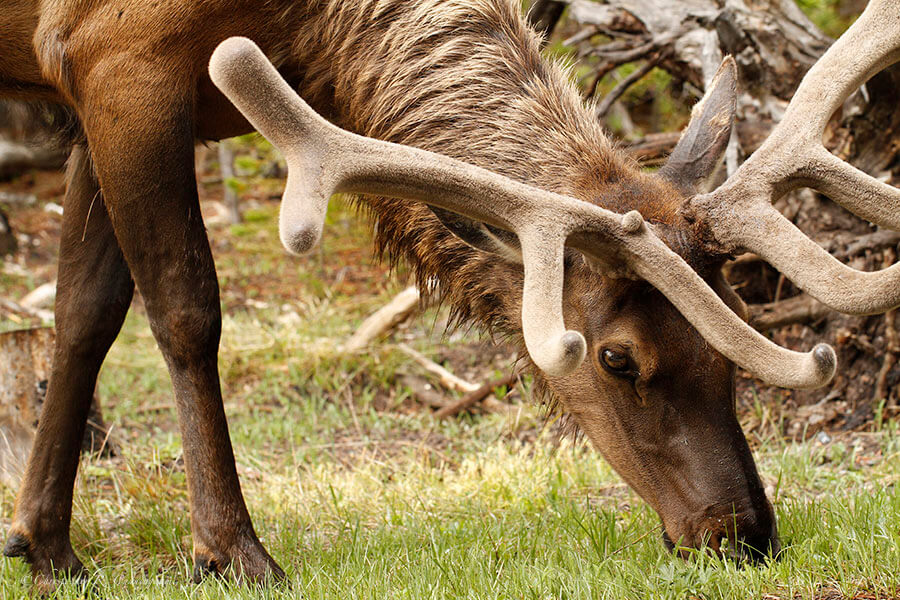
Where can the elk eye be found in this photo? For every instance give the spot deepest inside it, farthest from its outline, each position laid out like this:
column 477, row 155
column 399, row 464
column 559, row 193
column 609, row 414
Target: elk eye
column 616, row 362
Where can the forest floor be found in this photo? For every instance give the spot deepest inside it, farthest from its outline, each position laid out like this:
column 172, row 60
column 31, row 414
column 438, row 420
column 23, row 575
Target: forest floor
column 358, row 491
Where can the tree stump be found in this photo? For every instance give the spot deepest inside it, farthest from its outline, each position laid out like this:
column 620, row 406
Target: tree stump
column 25, row 362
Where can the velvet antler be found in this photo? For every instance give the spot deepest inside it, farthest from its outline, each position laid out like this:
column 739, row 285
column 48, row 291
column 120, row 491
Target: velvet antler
column 324, row 159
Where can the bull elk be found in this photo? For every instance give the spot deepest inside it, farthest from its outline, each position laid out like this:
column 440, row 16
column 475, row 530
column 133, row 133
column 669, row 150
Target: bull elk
column 563, row 230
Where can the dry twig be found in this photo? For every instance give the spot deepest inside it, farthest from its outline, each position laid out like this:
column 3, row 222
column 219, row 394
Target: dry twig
column 626, row 83
column 384, row 320
column 423, row 391
column 452, row 382
column 476, row 396
column 447, row 379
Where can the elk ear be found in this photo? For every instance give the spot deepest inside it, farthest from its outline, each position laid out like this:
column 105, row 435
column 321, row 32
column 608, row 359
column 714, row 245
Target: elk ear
column 481, row 236
column 702, row 146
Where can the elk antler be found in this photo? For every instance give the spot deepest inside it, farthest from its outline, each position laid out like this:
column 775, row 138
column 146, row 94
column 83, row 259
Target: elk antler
column 740, row 214
column 324, row 159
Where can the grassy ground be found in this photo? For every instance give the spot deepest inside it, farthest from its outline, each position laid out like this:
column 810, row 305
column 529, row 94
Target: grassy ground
column 360, row 493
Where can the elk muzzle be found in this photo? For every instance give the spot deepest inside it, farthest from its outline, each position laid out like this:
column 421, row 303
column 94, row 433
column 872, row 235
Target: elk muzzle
column 742, row 534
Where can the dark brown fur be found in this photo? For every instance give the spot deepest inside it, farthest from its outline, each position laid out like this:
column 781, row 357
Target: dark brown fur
column 460, row 77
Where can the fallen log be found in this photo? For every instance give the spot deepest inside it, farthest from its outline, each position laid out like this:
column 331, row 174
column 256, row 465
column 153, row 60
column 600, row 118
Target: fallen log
column 799, row 309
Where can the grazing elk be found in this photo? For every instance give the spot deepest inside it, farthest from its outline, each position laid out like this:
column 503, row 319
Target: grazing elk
column 464, row 79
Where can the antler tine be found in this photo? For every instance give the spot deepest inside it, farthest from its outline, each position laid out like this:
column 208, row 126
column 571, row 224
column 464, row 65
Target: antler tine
column 286, row 121
column 325, row 159
column 740, row 214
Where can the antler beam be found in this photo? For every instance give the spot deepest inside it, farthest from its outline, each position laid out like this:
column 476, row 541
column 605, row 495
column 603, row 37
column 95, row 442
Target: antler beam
column 740, row 214
column 324, row 159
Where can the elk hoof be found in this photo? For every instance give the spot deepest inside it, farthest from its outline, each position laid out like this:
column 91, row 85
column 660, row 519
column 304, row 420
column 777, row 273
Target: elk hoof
column 48, row 566
column 16, row 546
column 249, row 562
column 204, row 566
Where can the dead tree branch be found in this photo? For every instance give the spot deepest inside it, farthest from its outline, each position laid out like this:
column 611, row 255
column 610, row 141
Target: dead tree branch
column 395, row 312
column 799, row 309
column 875, row 240
column 653, row 149
column 475, row 396
column 447, row 379
column 623, row 86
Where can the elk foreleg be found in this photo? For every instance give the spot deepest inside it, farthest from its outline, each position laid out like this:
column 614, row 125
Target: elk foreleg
column 94, row 293
column 142, row 144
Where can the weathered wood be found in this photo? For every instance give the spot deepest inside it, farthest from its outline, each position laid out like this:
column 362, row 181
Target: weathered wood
column 799, row 309
column 474, row 397
column 25, row 363
column 773, row 42
column 42, row 296
column 447, row 379
column 15, row 307
column 653, row 150
column 385, row 319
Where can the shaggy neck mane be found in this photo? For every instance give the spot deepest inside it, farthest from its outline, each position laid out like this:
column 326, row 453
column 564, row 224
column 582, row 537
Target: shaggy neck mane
column 464, row 78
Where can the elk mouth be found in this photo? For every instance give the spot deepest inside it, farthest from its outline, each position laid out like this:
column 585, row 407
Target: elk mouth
column 755, row 543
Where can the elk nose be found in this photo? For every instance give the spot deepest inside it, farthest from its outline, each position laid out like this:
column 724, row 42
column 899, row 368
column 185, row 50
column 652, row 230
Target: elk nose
column 749, row 536
column 757, row 543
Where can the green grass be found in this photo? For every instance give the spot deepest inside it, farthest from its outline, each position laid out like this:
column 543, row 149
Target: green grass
column 826, row 14
column 496, row 519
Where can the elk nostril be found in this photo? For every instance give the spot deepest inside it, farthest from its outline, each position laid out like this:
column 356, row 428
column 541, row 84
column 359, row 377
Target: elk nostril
column 756, row 541
column 759, row 548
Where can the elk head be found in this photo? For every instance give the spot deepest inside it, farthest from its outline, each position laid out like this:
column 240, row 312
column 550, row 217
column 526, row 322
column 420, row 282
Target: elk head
column 657, row 394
